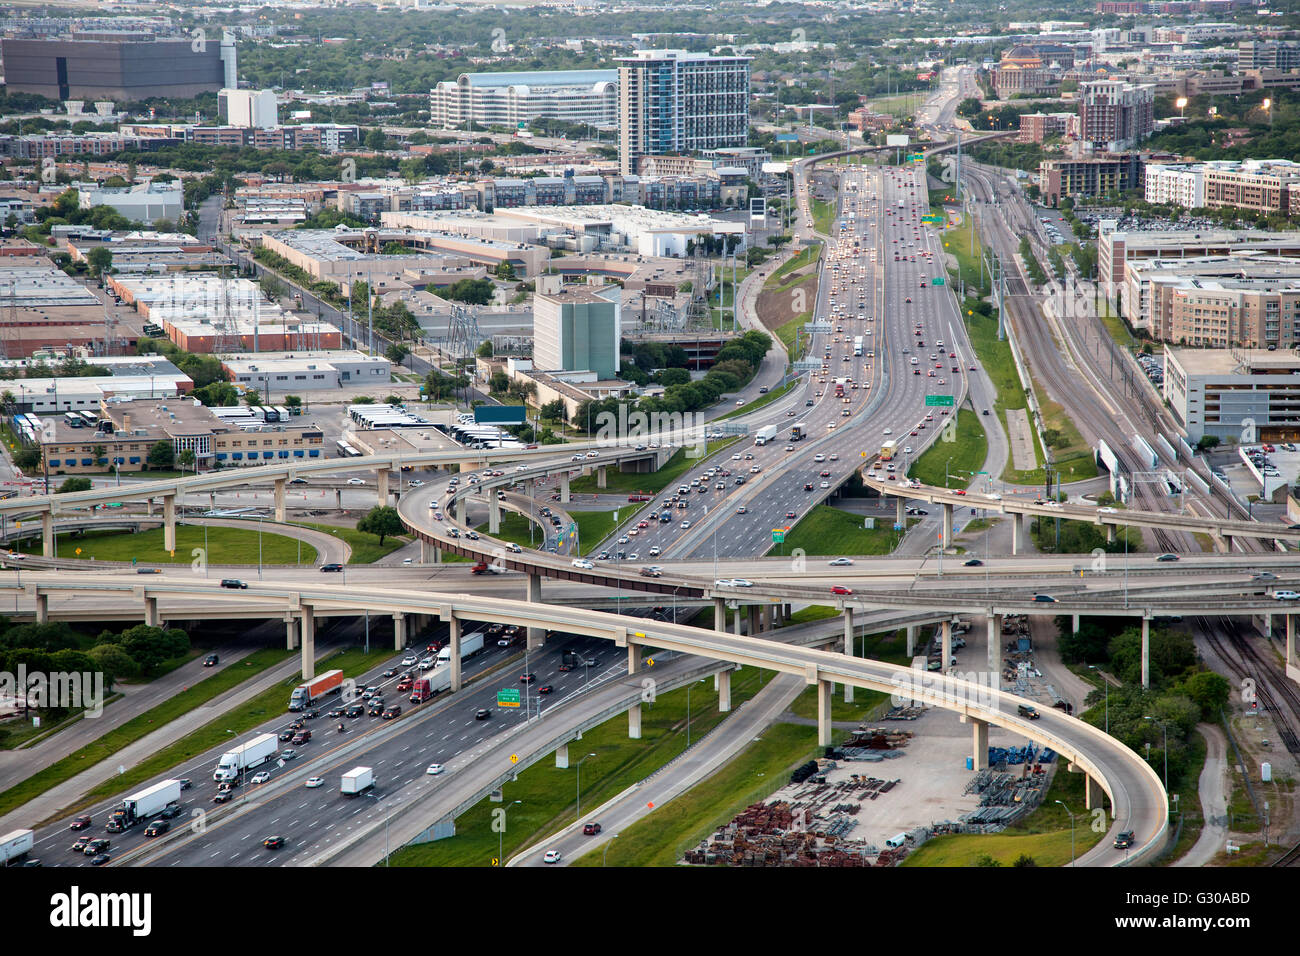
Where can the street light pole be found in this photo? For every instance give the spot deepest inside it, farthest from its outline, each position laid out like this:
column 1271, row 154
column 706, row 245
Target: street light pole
column 1067, row 810
column 605, row 854
column 579, row 779
column 1164, row 727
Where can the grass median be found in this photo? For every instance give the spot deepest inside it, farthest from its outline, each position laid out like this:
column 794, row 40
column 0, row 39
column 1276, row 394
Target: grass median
column 223, row 546
column 543, row 799
column 366, row 548
column 647, row 482
column 954, row 461
column 826, row 531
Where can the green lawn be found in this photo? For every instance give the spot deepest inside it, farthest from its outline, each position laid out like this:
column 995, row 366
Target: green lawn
column 660, row 838
column 548, row 794
column 762, row 400
column 595, row 526
column 960, row 457
column 786, row 331
column 827, row 531
column 115, row 740
column 823, row 216
column 813, row 612
column 515, row 527
column 366, row 548
column 224, row 546
column 865, row 703
column 807, row 257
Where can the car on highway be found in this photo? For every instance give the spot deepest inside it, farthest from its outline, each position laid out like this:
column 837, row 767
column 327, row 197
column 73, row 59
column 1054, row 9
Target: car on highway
column 356, row 481
column 482, row 714
column 222, row 796
column 1168, row 556
column 81, row 822
column 234, row 584
column 583, row 563
column 273, row 842
column 1286, row 595
column 840, row 562
column 260, row 777
column 99, row 859
column 1264, row 576
column 210, row 660
column 973, row 563
column 840, row 589
column 157, row 828
column 1124, row 839
column 590, row 829
column 314, row 782
column 552, row 856
column 331, row 568
column 1044, row 599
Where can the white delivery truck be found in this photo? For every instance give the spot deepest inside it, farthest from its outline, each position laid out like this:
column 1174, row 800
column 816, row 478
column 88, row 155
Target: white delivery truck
column 14, row 846
column 147, row 803
column 470, row 644
column 246, row 756
column 357, row 780
column 765, row 435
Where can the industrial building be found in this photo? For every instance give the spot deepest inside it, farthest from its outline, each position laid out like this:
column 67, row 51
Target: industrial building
column 674, row 101
column 1221, row 392
column 144, row 202
column 128, row 70
column 576, row 328
column 280, row 373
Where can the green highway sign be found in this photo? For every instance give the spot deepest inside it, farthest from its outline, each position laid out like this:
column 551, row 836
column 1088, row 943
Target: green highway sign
column 939, row 401
column 508, row 697
column 933, row 220
column 937, row 280
column 778, row 535
column 916, row 157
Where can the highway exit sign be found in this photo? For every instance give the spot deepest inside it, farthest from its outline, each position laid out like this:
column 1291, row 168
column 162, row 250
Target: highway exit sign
column 778, row 535
column 937, row 280
column 508, row 697
column 939, row 401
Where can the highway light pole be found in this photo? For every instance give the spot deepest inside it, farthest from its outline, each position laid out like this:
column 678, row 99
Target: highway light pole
column 1164, row 727
column 374, row 796
column 579, row 779
column 605, row 854
column 1067, row 810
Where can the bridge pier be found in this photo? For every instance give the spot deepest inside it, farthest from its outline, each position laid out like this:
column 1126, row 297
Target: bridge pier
column 399, row 631
column 1093, row 795
column 1017, row 533
column 494, row 515
column 719, row 615
column 536, row 635
column 1146, row 651
column 1110, row 534
column 151, row 612
column 381, row 485
column 767, row 617
column 338, row 499
column 980, row 743
column 848, row 649
column 600, row 477
column 1290, row 642
column 564, row 488
column 47, row 534
column 42, row 608
column 562, row 757
column 429, row 554
column 900, row 510
column 290, row 633
column 946, row 630
column 169, row 523
column 212, row 501
column 724, row 691
column 994, row 630
column 634, row 712
column 911, row 640
column 454, row 644
column 1227, row 543
column 1074, row 623
column 824, row 690
column 753, row 619
column 308, row 642
column 739, row 620
column 945, row 536
column 279, row 499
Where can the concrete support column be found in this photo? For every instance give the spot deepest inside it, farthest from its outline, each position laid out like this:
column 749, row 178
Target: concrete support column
column 562, row 757
column 1074, row 623
column 47, row 534
column 946, row 631
column 212, row 501
column 724, row 691
column 290, row 634
column 1017, row 533
column 900, row 510
column 1227, row 543
column 753, row 619
column 151, row 612
column 994, row 627
column 824, row 691
column 279, row 499
column 767, row 618
column 719, row 615
column 849, row 635
column 980, row 743
column 1093, row 795
column 1146, row 651
column 494, row 515
column 308, row 642
column 738, row 620
column 1290, row 642
column 399, row 631
column 382, row 487
column 1110, row 534
column 169, row 523
column 454, row 643
column 600, row 477
column 536, row 635
column 946, row 532
column 148, row 507
column 42, row 608
column 911, row 640
column 338, row 499
column 564, row 488
column 634, row 712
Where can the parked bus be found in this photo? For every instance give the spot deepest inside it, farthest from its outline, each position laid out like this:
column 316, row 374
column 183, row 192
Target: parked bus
column 345, row 450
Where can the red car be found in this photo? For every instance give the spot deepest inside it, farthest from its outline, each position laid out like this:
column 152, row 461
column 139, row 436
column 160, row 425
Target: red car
column 841, row 589
column 590, row 829
column 789, row 514
column 959, row 491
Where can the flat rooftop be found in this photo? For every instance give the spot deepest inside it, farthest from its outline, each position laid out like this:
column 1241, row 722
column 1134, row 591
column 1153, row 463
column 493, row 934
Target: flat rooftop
column 1235, row 361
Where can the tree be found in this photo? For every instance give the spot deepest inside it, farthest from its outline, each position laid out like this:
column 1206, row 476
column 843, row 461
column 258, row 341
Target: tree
column 186, row 458
column 505, row 270
column 162, row 454
column 100, row 454
column 674, row 376
column 292, row 402
column 383, row 521
column 499, row 382
column 1209, row 691
column 969, row 107
column 73, row 484
column 272, row 287
column 217, row 394
column 375, row 139
column 252, row 397
column 397, row 353
column 28, row 458
column 553, row 411
column 100, row 260
column 485, row 349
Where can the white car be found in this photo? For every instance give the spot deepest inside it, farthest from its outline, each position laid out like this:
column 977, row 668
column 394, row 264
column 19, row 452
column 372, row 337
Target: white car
column 840, row 562
column 434, row 769
column 260, row 777
column 685, row 525
column 584, row 564
column 314, row 782
column 1106, row 511
column 1287, row 595
column 741, row 583
column 514, row 548
column 410, row 660
column 426, row 663
column 724, row 583
column 356, row 481
column 552, row 856
column 735, row 457
column 654, row 552
column 819, row 457
column 889, row 431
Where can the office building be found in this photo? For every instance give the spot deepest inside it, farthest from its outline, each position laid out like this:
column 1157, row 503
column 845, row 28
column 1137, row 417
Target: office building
column 1117, row 250
column 1267, row 55
column 672, row 101
column 581, row 97
column 115, row 69
column 1256, row 185
column 281, row 373
column 1115, row 115
column 144, row 202
column 1153, row 297
column 248, row 109
column 576, row 328
column 1222, row 392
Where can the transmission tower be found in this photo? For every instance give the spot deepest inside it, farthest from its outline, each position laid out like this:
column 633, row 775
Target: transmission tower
column 225, row 335
column 463, row 335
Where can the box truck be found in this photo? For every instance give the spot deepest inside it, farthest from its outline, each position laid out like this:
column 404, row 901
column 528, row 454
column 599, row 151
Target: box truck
column 470, row 644
column 357, row 780
column 246, row 756
column 798, row 432
column 765, row 435
column 432, row 682
column 308, row 692
column 147, row 803
column 14, row 846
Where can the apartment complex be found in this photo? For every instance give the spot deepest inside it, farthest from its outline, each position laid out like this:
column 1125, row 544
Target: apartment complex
column 1219, row 392
column 1099, row 175
column 248, row 109
column 576, row 328
column 1117, row 251
column 1036, row 127
column 327, row 137
column 1155, row 296
column 588, row 97
column 1115, row 115
column 673, row 101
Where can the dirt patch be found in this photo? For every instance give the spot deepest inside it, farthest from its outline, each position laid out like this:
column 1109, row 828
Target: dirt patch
column 776, row 308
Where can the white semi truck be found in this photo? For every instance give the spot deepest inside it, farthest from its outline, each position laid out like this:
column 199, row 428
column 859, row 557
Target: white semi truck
column 246, row 756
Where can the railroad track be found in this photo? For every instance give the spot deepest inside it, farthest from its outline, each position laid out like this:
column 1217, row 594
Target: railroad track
column 1290, row 858
column 1274, row 692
